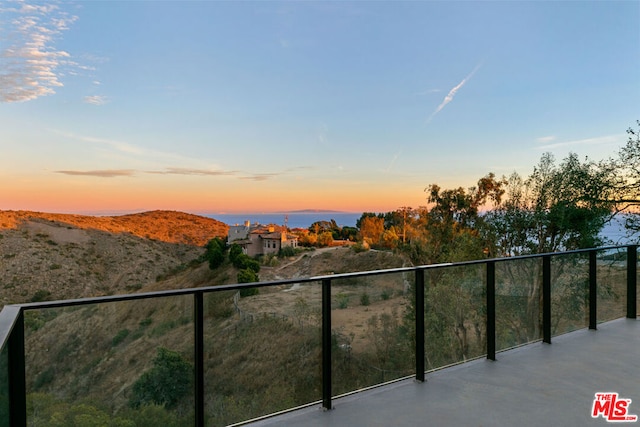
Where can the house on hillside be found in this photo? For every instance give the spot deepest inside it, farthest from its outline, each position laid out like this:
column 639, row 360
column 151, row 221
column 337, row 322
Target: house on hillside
column 261, row 240
column 239, row 232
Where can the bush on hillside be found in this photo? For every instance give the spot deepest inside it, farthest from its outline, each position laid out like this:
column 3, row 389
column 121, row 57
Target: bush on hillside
column 165, row 384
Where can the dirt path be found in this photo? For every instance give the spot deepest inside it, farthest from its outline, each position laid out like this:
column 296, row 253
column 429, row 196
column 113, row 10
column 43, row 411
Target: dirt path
column 311, row 254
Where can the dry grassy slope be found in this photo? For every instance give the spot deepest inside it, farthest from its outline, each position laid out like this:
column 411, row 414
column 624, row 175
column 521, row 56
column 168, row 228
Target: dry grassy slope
column 59, row 256
column 77, row 354
column 167, row 226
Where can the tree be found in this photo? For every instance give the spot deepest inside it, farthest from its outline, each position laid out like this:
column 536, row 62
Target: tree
column 627, row 166
column 234, row 252
column 215, row 252
column 165, row 384
column 248, row 276
column 557, row 208
column 371, row 228
column 325, row 239
column 348, row 233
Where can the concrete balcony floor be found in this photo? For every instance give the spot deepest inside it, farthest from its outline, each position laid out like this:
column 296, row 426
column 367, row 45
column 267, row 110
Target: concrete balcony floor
column 534, row 385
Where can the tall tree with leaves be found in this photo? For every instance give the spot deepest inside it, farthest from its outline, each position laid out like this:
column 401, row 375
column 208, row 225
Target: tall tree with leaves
column 559, row 207
column 627, row 166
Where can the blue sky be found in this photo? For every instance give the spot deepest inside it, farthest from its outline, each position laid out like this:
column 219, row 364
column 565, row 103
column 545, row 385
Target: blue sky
column 209, row 106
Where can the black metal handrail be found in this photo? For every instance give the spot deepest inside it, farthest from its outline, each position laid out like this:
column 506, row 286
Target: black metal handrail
column 12, row 318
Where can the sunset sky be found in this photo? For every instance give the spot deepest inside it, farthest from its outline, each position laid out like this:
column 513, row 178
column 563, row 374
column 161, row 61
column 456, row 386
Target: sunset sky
column 210, row 106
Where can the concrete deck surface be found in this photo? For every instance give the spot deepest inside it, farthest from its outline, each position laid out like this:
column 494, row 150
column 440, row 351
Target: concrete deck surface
column 534, row 385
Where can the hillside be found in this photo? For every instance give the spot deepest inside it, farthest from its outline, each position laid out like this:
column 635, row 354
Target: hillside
column 99, row 352
column 58, row 256
column 166, row 226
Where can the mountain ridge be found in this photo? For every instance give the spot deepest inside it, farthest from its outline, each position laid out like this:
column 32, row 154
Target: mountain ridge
column 163, row 225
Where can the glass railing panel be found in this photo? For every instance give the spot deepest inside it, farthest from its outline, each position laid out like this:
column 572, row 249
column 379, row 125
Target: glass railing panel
column 113, row 363
column 637, row 281
column 4, row 387
column 518, row 302
column 569, row 292
column 455, row 314
column 372, row 334
column 262, row 351
column 612, row 284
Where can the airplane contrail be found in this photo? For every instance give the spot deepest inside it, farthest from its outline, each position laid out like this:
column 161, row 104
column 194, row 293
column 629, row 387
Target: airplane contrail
column 447, row 99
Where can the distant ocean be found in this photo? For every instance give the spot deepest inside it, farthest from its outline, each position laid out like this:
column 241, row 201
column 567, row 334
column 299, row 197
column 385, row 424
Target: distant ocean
column 294, row 220
column 616, row 233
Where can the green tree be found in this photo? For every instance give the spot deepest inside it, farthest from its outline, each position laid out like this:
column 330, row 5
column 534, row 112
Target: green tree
column 248, row 276
column 245, row 262
column 235, row 251
column 557, row 208
column 627, row 191
column 168, row 382
column 348, row 233
column 215, row 252
column 216, row 258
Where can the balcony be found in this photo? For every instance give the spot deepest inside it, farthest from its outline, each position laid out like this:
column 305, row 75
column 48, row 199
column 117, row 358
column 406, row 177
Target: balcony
column 475, row 352
column 534, row 385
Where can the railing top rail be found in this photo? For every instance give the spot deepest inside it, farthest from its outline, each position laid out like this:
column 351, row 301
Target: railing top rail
column 238, row 286
column 8, row 317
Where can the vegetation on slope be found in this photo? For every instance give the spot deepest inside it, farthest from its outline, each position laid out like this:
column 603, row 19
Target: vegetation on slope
column 51, row 256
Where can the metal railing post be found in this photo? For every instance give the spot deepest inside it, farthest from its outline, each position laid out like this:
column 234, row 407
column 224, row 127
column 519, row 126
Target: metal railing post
column 491, row 310
column 593, row 290
column 17, row 386
column 546, row 299
column 198, row 320
column 632, row 279
column 419, row 308
column 326, row 344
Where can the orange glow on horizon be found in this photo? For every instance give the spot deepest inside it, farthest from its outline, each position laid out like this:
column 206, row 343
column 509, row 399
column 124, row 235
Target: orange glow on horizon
column 109, row 197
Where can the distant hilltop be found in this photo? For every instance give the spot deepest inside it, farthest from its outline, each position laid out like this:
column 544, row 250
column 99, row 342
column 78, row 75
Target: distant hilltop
column 166, row 226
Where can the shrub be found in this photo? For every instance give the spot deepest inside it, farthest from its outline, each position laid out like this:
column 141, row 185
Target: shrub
column 244, row 262
column 247, row 292
column 44, row 378
column 166, row 383
column 216, row 258
column 40, row 295
column 343, row 300
column 234, row 252
column 119, row 337
column 360, row 247
column 247, row 276
column 286, row 251
column 364, row 299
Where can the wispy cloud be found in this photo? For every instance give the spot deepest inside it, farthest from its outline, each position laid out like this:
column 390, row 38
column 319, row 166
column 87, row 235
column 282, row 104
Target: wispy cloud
column 111, row 173
column 600, row 140
column 393, row 161
column 188, row 171
column 96, row 100
column 452, row 93
column 131, row 149
column 260, row 176
column 108, row 173
column 546, row 139
column 29, row 60
column 428, row 92
column 115, row 144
